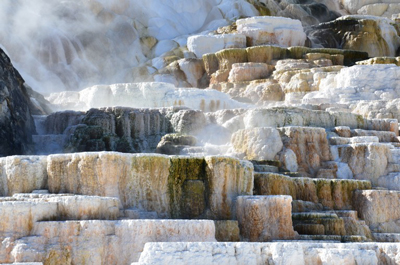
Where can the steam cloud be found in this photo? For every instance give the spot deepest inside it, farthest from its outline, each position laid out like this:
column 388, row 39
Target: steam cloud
column 70, row 45
column 63, row 45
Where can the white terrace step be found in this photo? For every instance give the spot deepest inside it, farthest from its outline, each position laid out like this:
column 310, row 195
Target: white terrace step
column 124, row 238
column 390, row 181
column 353, row 140
column 294, row 252
column 69, row 206
column 384, row 136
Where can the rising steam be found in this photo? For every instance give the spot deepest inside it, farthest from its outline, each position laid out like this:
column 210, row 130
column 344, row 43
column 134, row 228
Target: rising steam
column 70, row 45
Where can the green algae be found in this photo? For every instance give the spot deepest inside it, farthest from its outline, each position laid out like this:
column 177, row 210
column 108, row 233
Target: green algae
column 331, row 193
column 211, row 63
column 186, row 187
column 228, row 57
column 350, row 56
column 266, row 53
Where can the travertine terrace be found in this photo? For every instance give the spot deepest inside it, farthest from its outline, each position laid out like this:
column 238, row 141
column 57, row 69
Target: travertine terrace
column 199, row 132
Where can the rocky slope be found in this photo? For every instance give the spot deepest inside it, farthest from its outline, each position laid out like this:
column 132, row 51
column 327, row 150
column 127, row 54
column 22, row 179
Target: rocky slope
column 271, row 121
column 16, row 122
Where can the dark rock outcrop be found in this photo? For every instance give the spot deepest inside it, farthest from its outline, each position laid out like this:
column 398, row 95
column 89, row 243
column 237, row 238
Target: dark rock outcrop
column 309, row 12
column 373, row 35
column 16, row 122
column 119, row 129
column 173, row 144
column 37, row 103
column 123, row 129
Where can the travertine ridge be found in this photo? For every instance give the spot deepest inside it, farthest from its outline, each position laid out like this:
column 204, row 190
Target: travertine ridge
column 199, row 132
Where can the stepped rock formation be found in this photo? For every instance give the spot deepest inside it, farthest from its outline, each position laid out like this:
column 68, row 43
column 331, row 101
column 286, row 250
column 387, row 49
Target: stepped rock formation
column 199, row 132
column 280, row 252
column 359, row 83
column 265, row 30
column 203, row 44
column 131, row 179
column 330, row 193
column 258, row 143
column 259, row 219
column 379, row 209
column 373, row 7
column 143, row 95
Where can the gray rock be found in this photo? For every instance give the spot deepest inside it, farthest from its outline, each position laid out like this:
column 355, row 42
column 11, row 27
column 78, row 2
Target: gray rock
column 16, row 122
column 172, row 144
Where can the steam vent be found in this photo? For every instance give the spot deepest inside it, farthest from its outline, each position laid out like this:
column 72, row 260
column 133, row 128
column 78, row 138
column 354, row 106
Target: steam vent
column 199, row 132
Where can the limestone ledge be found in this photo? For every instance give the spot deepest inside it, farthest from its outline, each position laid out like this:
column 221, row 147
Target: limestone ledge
column 378, row 109
column 331, row 193
column 101, row 242
column 257, row 143
column 147, row 182
column 265, row 218
column 380, row 209
column 310, row 146
column 20, row 213
column 203, row 44
column 368, row 161
column 377, row 82
column 237, row 119
column 290, row 116
column 372, row 7
column 296, row 253
column 224, row 59
column 141, row 95
column 280, row 31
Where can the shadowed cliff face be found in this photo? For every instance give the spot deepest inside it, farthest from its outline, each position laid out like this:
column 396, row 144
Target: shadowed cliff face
column 374, row 35
column 16, row 123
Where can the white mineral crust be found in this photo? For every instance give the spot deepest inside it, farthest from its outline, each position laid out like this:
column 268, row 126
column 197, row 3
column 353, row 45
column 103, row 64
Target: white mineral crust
column 202, row 44
column 280, row 31
column 144, row 95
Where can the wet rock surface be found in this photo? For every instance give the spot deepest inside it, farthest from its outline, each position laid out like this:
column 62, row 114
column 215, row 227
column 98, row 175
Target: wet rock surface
column 360, row 33
column 16, row 122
